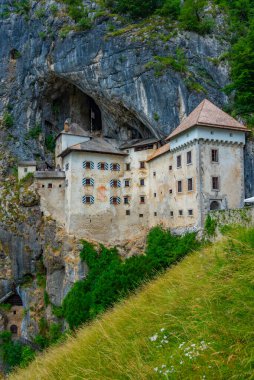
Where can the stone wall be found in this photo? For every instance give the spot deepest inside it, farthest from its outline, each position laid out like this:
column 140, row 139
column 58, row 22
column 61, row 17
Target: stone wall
column 243, row 216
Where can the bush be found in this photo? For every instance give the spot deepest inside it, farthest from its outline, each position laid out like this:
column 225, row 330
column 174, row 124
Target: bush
column 34, row 132
column 8, row 121
column 210, row 226
column 110, row 279
column 50, row 142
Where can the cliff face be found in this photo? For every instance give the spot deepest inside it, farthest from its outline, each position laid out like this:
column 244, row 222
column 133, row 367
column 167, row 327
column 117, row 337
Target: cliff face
column 138, row 80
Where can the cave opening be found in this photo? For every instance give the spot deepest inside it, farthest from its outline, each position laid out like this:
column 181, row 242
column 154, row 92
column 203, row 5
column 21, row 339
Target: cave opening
column 62, row 100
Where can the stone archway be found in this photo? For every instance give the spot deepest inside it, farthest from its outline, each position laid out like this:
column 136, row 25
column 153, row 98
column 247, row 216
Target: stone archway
column 215, row 205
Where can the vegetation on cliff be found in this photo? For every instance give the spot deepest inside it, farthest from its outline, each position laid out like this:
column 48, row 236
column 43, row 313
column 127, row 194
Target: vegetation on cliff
column 195, row 321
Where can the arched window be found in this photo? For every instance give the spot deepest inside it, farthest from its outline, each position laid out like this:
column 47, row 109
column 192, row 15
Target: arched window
column 14, row 329
column 215, row 205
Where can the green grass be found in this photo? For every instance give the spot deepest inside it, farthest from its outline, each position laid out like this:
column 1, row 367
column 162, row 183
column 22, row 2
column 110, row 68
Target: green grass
column 195, row 321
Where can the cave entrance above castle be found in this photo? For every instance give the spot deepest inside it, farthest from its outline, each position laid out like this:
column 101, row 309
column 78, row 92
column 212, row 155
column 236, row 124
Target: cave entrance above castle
column 105, row 117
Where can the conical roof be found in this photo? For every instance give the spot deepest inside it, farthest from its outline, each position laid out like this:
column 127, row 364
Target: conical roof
column 208, row 115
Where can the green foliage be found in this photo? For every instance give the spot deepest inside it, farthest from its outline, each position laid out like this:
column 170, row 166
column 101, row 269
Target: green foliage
column 42, row 35
column 57, row 311
column 22, row 7
column 40, row 13
column 54, row 9
column 8, row 120
column 136, row 8
column 46, row 298
column 192, row 17
column 170, row 8
column 160, row 64
column 156, row 116
column 41, row 281
column 50, row 142
column 34, row 132
column 110, row 279
column 13, row 353
column 210, row 225
column 192, row 85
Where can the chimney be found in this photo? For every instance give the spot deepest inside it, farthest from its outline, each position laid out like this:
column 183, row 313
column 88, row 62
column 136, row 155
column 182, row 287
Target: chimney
column 67, row 125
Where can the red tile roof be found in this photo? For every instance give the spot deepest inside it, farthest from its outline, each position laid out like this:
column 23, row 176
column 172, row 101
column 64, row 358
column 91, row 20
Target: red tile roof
column 207, row 114
column 163, row 149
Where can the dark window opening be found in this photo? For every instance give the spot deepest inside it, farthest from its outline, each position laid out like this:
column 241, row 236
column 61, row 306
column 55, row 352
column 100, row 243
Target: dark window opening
column 154, row 194
column 60, row 185
column 142, row 164
column 190, row 212
column 215, row 183
column 171, row 213
column 102, row 166
column 190, row 184
column 142, row 199
column 142, row 182
column 215, row 205
column 127, row 183
column 126, row 200
column 170, row 167
column 114, row 183
column 128, row 167
column 50, row 185
column 189, row 158
column 170, row 191
column 179, row 186
column 141, row 215
column 128, row 212
column 180, row 212
column 42, row 186
column 154, row 174
column 178, row 161
column 155, row 214
column 14, row 312
column 215, row 155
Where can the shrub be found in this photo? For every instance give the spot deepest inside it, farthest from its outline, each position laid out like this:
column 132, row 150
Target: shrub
column 210, row 225
column 34, row 132
column 54, row 9
column 8, row 121
column 109, row 278
column 50, row 142
column 192, row 17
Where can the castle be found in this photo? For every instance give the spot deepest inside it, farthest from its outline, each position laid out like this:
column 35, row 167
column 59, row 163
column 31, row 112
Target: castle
column 111, row 191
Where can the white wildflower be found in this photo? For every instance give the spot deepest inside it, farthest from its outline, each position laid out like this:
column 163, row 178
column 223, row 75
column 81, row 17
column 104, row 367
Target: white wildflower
column 154, row 338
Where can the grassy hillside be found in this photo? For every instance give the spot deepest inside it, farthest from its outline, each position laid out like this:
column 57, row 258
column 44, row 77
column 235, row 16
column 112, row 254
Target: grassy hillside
column 194, row 322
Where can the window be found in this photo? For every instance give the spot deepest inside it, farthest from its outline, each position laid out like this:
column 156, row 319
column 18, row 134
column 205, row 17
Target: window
column 190, row 212
column 170, row 167
column 171, row 214
column 25, row 170
column 67, row 166
column 88, row 165
column 115, row 200
column 215, row 183
column 154, row 194
column 50, row 185
column 127, row 183
column 142, row 164
column 155, row 214
column 179, row 161
column 179, row 186
column 128, row 166
column 215, row 155
column 42, row 186
column 88, row 182
column 180, row 212
column 142, row 182
column 102, row 166
column 190, row 184
column 170, row 191
column 128, row 212
column 189, row 158
column 142, row 199
column 126, row 200
column 154, row 174
column 88, row 199
column 14, row 312
column 115, row 183
column 60, row 185
column 115, row 167
column 141, row 215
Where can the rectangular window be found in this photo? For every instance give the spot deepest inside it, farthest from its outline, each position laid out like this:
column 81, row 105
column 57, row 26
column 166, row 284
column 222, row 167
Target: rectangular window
column 170, row 191
column 141, row 215
column 128, row 212
column 115, row 167
column 50, row 185
column 154, row 194
column 142, row 182
column 171, row 214
column 155, row 214
column 126, row 200
column 114, row 201
column 142, row 199
column 189, row 158
column 88, row 199
column 154, row 174
column 215, row 155
column 127, row 183
column 180, row 212
column 215, row 183
column 142, row 164
column 114, row 183
column 88, row 165
column 25, row 170
column 179, row 161
column 128, row 166
column 103, row 166
column 170, row 167
column 190, row 184
column 179, row 186
column 87, row 181
column 190, row 212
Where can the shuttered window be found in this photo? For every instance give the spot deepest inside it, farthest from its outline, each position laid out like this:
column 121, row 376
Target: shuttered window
column 102, row 166
column 115, row 200
column 88, row 199
column 88, row 164
column 88, row 182
column 115, row 167
column 115, row 183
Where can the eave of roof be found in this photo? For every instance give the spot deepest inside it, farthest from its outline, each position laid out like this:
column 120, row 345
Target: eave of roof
column 159, row 152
